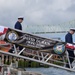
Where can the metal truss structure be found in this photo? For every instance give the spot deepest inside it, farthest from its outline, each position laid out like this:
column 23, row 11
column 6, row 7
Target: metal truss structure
column 42, row 57
column 43, row 29
column 39, row 49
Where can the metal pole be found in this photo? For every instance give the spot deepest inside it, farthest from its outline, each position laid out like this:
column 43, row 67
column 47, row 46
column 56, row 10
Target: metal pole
column 31, row 59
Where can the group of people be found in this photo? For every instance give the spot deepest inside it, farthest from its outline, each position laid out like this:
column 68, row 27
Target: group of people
column 68, row 38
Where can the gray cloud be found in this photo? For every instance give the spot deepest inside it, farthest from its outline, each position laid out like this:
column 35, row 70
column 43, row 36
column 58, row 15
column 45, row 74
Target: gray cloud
column 36, row 12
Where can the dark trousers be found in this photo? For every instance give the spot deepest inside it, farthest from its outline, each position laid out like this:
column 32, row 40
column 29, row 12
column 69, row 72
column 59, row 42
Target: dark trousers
column 20, row 47
column 12, row 49
column 71, row 57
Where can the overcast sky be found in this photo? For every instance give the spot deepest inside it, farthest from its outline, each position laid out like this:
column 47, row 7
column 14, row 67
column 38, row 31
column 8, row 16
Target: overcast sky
column 36, row 12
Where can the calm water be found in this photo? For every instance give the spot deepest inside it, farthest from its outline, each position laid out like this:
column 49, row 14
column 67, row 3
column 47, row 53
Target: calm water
column 56, row 35
column 51, row 71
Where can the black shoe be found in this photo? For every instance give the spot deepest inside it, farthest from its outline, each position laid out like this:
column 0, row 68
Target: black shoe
column 67, row 65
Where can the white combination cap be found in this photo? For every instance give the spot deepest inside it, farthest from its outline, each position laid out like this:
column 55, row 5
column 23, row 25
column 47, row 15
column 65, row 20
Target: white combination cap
column 21, row 17
column 72, row 29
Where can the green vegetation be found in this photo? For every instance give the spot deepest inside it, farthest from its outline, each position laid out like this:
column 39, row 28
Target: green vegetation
column 22, row 63
column 26, row 64
column 8, row 63
column 58, row 63
column 35, row 64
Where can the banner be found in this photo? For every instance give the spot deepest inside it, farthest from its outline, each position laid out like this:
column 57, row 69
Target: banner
column 30, row 41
